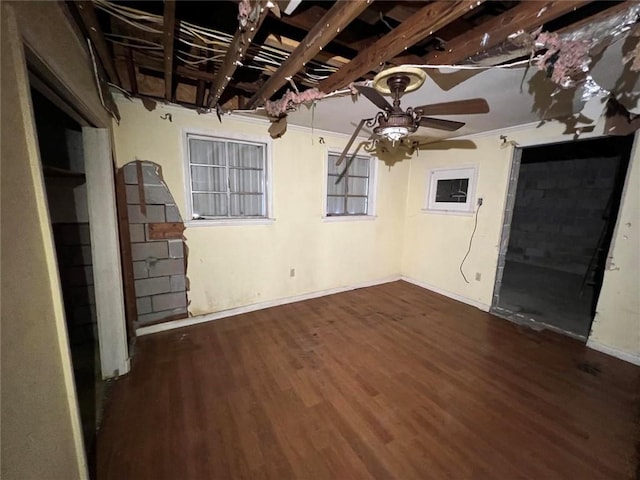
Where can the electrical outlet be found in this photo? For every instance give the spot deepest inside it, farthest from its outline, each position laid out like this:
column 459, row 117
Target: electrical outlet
column 478, row 276
column 480, row 199
column 292, row 272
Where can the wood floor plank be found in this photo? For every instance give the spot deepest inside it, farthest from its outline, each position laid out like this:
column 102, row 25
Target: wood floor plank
column 390, row 381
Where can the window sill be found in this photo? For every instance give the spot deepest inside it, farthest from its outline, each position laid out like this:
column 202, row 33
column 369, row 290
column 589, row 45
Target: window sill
column 238, row 222
column 461, row 213
column 348, row 218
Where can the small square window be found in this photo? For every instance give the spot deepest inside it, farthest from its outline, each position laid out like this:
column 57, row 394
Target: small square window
column 451, row 189
column 349, row 186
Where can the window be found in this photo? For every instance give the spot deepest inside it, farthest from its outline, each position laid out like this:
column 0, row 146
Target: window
column 349, row 186
column 451, row 189
column 227, row 178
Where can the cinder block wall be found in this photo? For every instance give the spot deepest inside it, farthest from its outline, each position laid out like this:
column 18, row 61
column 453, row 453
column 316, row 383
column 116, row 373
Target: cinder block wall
column 159, row 266
column 73, row 251
column 558, row 214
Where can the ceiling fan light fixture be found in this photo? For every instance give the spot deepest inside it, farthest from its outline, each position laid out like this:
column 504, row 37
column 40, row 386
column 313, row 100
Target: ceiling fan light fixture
column 392, row 133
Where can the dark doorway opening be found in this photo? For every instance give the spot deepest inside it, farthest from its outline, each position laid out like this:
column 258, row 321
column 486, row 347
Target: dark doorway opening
column 61, row 152
column 562, row 221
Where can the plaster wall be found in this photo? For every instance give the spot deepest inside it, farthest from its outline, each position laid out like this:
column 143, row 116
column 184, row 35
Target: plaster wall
column 237, row 265
column 41, row 434
column 435, row 244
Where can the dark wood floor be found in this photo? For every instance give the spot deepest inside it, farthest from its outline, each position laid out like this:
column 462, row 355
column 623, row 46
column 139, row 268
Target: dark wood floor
column 384, row 382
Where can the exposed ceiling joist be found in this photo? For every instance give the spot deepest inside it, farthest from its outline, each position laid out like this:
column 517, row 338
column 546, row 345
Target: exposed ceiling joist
column 237, row 50
column 169, row 29
column 331, row 24
column 526, row 16
column 425, row 22
column 89, row 18
column 131, row 70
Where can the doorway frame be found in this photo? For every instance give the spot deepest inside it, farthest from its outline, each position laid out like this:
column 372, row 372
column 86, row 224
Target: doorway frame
column 103, row 225
column 514, row 174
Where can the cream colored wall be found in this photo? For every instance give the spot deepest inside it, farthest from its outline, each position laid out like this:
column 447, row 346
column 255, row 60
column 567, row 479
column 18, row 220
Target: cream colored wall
column 41, row 435
column 435, row 244
column 617, row 321
column 234, row 266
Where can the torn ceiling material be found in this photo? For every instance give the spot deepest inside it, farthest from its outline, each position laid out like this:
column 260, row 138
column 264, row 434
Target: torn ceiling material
column 223, row 52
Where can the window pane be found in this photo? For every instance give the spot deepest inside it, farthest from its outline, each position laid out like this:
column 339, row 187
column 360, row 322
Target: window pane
column 360, row 166
column 335, row 205
column 358, row 186
column 336, row 189
column 245, row 155
column 208, row 179
column 452, row 190
column 206, row 151
column 332, row 164
column 210, row 204
column 246, row 206
column 245, row 181
column 356, row 206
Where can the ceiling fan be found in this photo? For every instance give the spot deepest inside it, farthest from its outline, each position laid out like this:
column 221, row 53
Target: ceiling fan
column 394, row 124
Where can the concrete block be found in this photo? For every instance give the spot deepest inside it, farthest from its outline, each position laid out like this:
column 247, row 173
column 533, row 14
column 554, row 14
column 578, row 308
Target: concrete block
column 143, row 251
column 140, row 270
column 173, row 214
column 176, row 249
column 82, row 315
column 157, row 195
column 143, row 305
column 150, row 174
column 78, row 276
column 82, row 295
column 136, row 233
column 82, row 256
column 133, row 197
column 154, row 317
column 152, row 286
column 84, row 234
column 164, row 267
column 178, row 283
column 130, row 173
column 534, row 252
column 155, row 214
column 168, row 301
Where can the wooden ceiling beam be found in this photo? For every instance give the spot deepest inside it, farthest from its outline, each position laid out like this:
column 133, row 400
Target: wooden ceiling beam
column 168, row 38
column 323, row 32
column 237, row 50
column 526, row 16
column 425, row 22
column 89, row 18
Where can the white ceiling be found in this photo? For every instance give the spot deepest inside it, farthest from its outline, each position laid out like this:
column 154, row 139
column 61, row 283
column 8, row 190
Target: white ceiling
column 500, row 87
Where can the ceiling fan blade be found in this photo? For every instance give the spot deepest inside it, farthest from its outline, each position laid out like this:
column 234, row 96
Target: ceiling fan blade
column 353, row 137
column 349, row 162
column 440, row 124
column 374, row 96
column 459, row 107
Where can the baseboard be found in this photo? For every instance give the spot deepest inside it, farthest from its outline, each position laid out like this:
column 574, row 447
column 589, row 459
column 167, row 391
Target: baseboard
column 185, row 322
column 482, row 306
column 614, row 352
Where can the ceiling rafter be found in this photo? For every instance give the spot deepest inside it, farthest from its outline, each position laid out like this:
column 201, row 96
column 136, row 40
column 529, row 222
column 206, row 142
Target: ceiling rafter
column 331, row 24
column 87, row 13
column 425, row 22
column 526, row 16
column 168, row 37
column 237, row 50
